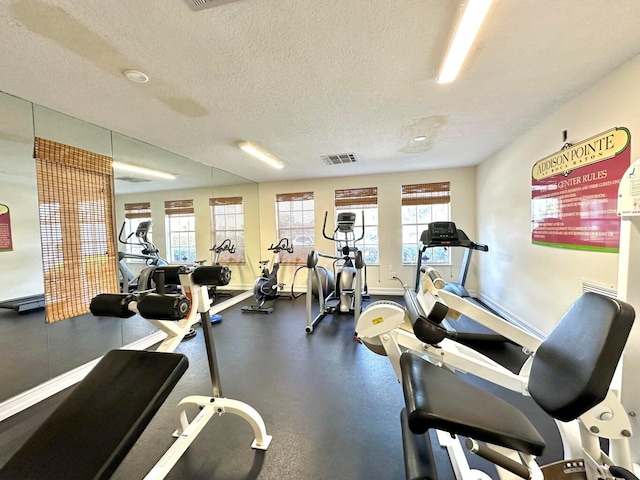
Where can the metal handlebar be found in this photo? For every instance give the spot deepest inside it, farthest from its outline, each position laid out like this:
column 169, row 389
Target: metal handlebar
column 225, row 246
column 126, row 240
column 283, row 244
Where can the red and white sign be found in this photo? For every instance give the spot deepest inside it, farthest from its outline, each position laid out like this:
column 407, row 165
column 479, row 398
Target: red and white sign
column 6, row 244
column 574, row 193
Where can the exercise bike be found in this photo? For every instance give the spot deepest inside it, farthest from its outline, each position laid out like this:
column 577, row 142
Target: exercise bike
column 349, row 288
column 267, row 286
column 149, row 254
column 225, row 246
column 568, row 374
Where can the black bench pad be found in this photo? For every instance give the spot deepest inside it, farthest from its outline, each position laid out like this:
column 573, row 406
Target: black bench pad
column 92, row 430
column 440, row 399
column 419, row 460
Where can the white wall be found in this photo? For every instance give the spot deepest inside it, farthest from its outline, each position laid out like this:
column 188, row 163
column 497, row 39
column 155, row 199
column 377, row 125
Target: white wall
column 390, row 223
column 21, row 268
column 534, row 283
column 21, row 272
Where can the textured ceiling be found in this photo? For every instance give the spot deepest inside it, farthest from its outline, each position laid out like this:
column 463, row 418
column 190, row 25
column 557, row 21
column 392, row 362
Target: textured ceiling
column 307, row 78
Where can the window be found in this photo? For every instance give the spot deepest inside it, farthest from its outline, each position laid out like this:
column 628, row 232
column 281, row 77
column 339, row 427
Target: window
column 134, row 213
column 359, row 200
column 181, row 231
column 422, row 204
column 295, row 221
column 75, row 197
column 227, row 221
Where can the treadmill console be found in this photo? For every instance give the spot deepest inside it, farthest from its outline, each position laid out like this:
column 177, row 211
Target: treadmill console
column 143, row 229
column 442, row 232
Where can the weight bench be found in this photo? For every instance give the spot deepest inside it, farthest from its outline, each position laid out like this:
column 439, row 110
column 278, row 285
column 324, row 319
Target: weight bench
column 93, row 429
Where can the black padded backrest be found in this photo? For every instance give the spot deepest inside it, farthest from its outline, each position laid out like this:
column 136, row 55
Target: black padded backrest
column 573, row 368
column 92, row 430
column 426, row 328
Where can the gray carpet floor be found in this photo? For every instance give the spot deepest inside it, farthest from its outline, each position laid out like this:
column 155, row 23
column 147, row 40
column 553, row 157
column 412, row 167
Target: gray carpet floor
column 332, row 406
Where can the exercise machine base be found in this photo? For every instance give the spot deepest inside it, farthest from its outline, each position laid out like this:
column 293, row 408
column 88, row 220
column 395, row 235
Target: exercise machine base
column 256, row 309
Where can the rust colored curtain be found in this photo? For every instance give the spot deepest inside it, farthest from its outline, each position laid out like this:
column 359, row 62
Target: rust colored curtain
column 426, row 193
column 75, row 197
column 357, row 198
column 137, row 210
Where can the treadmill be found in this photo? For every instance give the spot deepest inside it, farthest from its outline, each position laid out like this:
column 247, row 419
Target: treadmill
column 24, row 304
column 446, row 234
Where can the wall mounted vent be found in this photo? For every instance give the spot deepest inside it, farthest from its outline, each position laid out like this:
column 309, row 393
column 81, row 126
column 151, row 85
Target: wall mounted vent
column 133, row 179
column 202, row 4
column 338, row 159
column 588, row 286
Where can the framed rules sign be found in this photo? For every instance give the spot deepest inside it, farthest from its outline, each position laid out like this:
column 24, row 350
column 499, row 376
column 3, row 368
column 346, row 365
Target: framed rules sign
column 6, row 243
column 574, row 193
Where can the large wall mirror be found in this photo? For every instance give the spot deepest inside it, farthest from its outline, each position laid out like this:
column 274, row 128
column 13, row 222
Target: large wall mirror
column 33, row 352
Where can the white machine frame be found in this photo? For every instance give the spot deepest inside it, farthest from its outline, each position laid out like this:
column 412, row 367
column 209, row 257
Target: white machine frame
column 209, row 406
column 629, row 291
column 380, row 324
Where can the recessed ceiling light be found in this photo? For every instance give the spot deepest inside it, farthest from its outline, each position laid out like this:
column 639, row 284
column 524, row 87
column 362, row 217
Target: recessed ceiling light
column 136, row 76
column 420, row 138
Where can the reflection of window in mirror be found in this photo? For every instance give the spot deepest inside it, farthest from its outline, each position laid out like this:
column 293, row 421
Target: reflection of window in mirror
column 181, row 231
column 295, row 221
column 134, row 214
column 227, row 222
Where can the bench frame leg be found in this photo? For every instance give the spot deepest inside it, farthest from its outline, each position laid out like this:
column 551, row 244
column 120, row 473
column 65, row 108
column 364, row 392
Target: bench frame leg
column 187, row 431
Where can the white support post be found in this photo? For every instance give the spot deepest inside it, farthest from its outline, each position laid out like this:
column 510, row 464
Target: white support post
column 629, row 291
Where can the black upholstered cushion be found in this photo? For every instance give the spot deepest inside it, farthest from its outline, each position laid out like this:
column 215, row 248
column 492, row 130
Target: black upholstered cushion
column 573, row 368
column 437, row 398
column 92, row 430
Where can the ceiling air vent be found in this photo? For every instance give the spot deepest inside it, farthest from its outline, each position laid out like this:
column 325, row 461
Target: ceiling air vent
column 133, row 179
column 202, row 4
column 338, row 159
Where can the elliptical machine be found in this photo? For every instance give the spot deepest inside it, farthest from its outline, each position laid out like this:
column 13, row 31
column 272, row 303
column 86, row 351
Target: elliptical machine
column 150, row 254
column 349, row 288
column 266, row 286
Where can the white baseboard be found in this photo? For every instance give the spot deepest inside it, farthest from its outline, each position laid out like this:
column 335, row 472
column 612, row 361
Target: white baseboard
column 508, row 315
column 34, row 395
column 218, row 307
column 395, row 291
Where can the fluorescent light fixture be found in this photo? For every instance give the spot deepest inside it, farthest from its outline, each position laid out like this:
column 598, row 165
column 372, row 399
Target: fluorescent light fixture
column 255, row 151
column 420, row 138
column 142, row 171
column 472, row 18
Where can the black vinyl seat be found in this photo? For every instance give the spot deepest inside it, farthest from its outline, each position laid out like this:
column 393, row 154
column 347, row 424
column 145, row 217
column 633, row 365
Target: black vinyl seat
column 438, row 398
column 91, row 431
column 570, row 374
